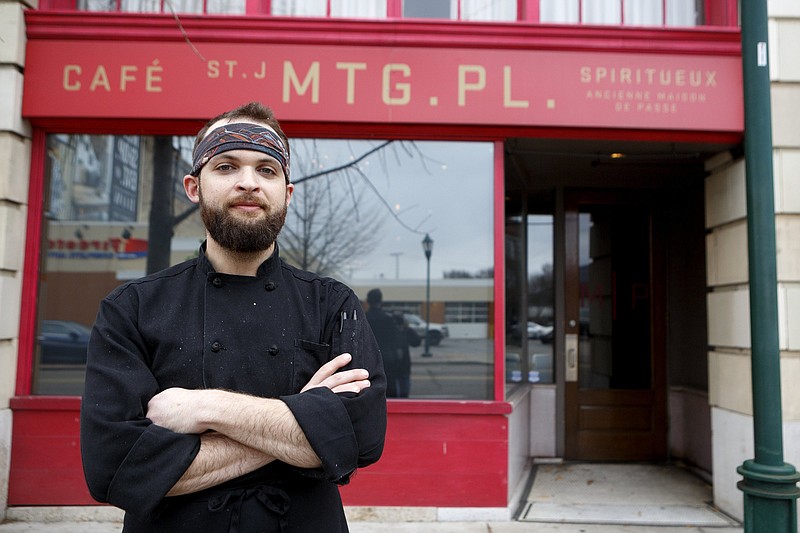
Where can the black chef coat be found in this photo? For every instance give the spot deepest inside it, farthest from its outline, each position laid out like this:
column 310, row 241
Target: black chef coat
column 191, row 327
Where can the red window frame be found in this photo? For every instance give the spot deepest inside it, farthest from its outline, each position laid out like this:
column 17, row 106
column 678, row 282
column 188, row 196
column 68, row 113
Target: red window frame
column 35, row 227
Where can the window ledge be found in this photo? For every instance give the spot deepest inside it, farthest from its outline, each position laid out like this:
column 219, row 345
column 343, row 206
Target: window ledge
column 45, row 403
column 456, row 407
column 452, row 407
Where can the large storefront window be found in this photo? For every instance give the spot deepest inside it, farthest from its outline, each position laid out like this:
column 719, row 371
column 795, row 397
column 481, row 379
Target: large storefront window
column 115, row 210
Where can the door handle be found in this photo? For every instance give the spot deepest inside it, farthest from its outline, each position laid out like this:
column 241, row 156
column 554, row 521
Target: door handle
column 571, row 359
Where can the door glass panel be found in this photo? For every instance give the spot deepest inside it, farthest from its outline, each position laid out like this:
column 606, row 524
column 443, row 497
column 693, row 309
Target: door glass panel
column 530, row 292
column 515, row 293
column 541, row 296
column 614, row 300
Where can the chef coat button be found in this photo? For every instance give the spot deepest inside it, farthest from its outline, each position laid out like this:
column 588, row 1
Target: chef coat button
column 273, row 350
column 216, row 346
column 217, row 282
column 270, row 286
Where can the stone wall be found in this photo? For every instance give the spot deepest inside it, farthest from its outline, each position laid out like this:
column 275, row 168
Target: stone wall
column 15, row 155
column 730, row 389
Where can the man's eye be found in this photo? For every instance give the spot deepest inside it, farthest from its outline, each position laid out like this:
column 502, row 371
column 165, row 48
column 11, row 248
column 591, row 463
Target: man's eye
column 268, row 170
column 224, row 167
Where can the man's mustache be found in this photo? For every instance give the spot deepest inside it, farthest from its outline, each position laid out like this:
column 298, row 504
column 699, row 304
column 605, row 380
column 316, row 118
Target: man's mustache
column 250, row 200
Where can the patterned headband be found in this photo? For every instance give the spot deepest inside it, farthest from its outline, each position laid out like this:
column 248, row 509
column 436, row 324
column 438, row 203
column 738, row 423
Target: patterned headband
column 240, row 136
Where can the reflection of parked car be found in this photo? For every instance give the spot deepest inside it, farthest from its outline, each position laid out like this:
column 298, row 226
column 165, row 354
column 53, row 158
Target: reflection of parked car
column 583, row 327
column 535, row 331
column 63, row 342
column 436, row 332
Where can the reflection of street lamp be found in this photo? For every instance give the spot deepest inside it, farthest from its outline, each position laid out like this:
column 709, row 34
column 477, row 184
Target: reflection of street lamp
column 427, row 247
column 396, row 264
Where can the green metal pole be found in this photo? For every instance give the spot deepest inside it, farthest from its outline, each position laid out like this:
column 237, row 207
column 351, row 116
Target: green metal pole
column 769, row 484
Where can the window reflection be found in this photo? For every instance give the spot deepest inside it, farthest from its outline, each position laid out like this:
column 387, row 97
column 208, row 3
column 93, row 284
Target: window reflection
column 370, row 9
column 297, row 8
column 360, row 212
column 116, row 211
column 496, row 10
column 541, row 297
column 626, row 12
column 601, row 12
column 103, row 228
column 530, row 296
column 226, row 7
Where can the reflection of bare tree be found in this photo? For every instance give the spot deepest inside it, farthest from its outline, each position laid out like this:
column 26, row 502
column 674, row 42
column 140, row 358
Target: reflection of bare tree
column 328, row 227
column 541, row 295
column 337, row 212
column 540, row 286
column 334, row 217
column 161, row 219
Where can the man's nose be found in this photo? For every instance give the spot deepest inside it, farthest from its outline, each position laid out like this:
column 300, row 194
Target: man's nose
column 248, row 179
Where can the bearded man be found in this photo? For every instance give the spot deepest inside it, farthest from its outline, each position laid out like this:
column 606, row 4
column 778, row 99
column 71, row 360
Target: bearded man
column 232, row 392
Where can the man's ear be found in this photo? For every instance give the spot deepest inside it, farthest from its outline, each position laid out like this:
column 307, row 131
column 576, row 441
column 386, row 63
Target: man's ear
column 191, row 184
column 289, row 191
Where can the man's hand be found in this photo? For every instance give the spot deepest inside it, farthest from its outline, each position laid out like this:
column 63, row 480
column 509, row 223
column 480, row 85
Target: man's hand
column 328, row 375
column 177, row 410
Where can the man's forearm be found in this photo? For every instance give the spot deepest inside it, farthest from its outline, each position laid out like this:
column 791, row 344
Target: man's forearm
column 220, row 459
column 265, row 424
column 262, row 423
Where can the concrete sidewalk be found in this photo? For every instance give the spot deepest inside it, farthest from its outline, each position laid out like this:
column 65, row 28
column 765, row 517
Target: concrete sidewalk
column 397, row 527
column 88, row 520
column 634, row 496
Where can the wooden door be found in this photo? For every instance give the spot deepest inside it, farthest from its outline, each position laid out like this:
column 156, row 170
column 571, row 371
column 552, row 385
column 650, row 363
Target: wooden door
column 614, row 354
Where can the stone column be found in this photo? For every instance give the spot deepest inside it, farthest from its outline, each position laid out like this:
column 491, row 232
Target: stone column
column 15, row 153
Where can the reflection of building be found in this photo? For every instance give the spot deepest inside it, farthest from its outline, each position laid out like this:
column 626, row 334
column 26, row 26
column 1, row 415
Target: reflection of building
column 464, row 306
column 626, row 127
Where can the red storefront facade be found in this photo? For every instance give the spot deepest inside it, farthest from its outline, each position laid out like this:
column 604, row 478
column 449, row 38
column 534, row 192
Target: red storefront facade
column 482, row 82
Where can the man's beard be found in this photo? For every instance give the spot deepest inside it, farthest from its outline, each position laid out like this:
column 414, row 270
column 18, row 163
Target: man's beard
column 239, row 234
